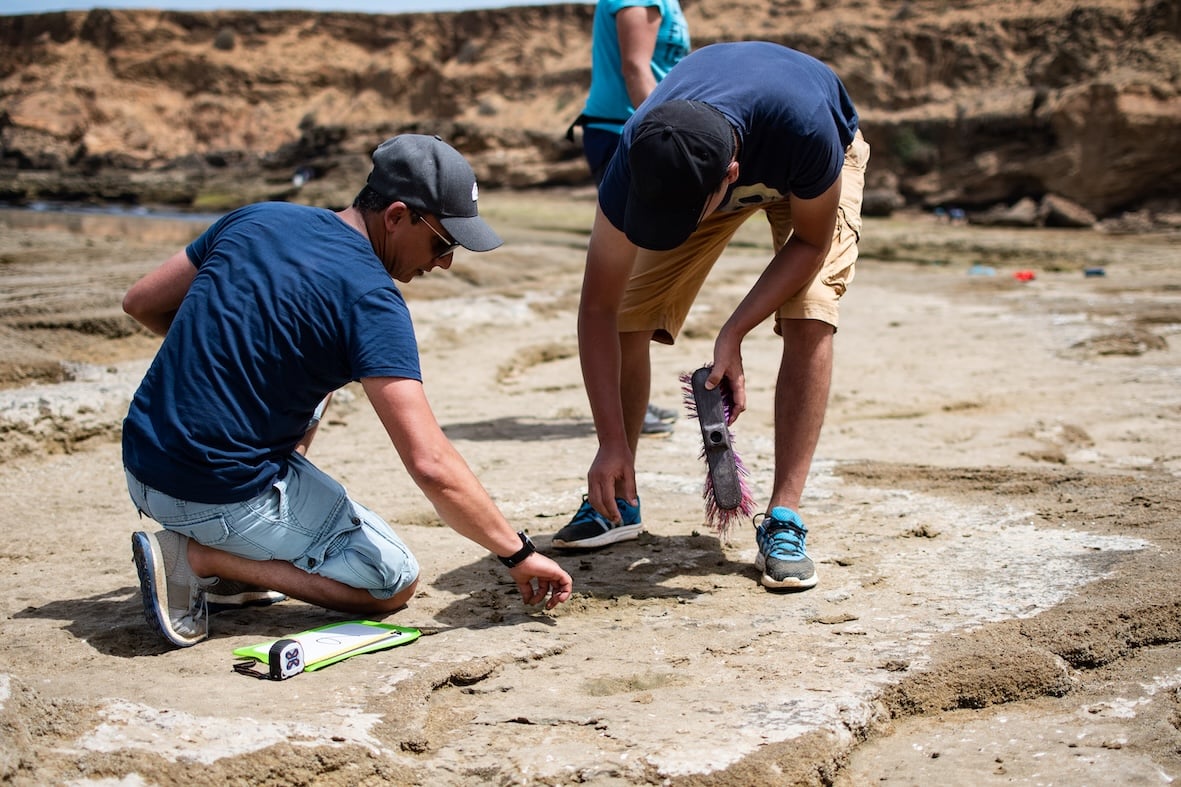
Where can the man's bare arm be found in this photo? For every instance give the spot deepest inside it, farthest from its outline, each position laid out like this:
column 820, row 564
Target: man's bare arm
column 154, row 299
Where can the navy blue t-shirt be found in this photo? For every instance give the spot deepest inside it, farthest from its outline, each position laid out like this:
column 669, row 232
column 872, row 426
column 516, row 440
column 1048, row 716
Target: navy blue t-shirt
column 791, row 111
column 289, row 303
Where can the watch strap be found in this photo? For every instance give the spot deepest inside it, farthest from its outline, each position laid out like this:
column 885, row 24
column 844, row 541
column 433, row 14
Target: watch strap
column 527, row 549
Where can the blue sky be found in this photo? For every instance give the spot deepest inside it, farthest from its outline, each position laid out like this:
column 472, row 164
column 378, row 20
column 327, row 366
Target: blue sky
column 364, row 6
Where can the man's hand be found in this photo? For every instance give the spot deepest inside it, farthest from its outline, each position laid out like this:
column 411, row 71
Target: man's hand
column 611, row 470
column 728, row 365
column 537, row 577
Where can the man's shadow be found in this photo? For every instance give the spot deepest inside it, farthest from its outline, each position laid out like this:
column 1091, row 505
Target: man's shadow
column 113, row 623
column 520, row 428
column 630, row 569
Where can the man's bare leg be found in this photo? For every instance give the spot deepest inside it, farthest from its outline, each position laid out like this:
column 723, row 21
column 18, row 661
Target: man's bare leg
column 635, row 382
column 801, row 398
column 294, row 581
column 589, row 529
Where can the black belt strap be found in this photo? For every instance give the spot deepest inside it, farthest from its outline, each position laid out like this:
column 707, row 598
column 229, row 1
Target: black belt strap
column 582, row 120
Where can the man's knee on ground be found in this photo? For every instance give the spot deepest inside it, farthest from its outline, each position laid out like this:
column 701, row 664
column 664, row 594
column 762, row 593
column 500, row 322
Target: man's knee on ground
column 385, row 606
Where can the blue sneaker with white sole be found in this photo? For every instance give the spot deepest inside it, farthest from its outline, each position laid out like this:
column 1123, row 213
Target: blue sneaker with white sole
column 782, row 558
column 589, row 529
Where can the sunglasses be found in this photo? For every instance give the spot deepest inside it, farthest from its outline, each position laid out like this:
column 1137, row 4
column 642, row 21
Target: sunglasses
column 448, row 247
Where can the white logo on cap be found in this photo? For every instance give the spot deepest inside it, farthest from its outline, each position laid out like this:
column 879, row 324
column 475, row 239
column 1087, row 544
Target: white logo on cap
column 475, row 192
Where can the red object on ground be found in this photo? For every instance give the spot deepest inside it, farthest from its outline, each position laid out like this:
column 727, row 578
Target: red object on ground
column 1023, row 275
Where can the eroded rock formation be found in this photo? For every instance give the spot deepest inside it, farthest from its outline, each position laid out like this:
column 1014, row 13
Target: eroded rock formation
column 976, row 104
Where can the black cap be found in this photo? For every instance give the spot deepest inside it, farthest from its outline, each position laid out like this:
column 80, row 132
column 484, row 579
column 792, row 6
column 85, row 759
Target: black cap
column 432, row 177
column 679, row 155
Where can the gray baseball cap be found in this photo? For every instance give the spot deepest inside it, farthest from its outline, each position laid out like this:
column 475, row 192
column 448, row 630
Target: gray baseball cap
column 432, row 177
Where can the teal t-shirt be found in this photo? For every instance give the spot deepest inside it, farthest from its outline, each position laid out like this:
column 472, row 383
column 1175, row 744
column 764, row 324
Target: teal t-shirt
column 608, row 92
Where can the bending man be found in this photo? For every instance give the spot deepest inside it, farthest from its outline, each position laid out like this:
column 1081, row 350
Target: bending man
column 733, row 130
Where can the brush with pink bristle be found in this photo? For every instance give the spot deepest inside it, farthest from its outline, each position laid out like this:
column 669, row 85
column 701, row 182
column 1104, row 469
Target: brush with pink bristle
column 728, row 498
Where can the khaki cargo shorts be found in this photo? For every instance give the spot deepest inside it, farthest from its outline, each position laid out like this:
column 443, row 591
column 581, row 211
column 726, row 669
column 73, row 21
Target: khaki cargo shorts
column 664, row 284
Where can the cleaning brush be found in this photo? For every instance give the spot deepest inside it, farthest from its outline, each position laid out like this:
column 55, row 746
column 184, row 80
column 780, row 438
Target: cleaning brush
column 727, row 495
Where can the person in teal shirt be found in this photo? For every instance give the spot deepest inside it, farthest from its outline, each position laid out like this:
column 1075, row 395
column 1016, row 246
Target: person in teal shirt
column 634, row 43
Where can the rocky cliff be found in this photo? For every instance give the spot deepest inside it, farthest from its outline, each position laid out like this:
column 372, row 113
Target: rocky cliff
column 975, row 104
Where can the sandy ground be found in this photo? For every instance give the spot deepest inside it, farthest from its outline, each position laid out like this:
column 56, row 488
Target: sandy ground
column 994, row 509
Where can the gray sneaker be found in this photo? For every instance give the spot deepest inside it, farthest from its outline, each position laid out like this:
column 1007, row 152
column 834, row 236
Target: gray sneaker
column 173, row 596
column 224, row 594
column 782, row 558
column 654, row 423
column 661, row 414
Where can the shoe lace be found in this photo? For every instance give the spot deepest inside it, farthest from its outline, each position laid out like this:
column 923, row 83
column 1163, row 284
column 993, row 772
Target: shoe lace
column 781, row 540
column 196, row 620
column 586, row 513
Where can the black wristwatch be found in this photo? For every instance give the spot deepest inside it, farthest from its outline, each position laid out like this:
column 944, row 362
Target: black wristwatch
column 514, row 560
